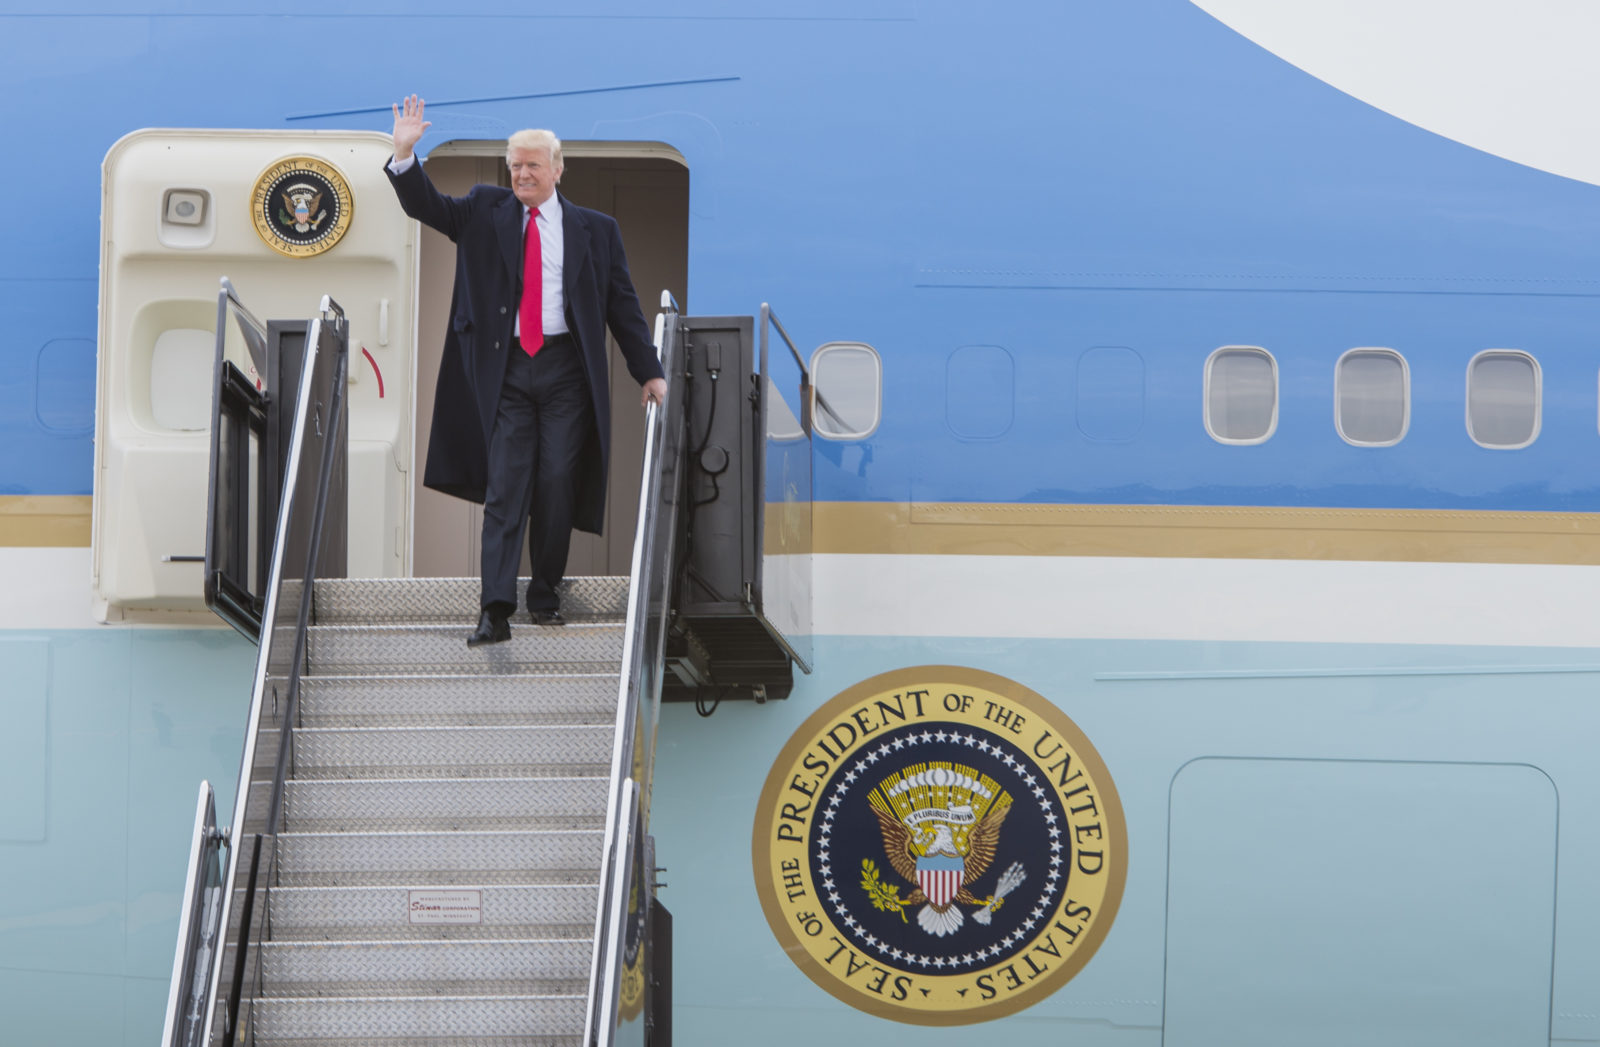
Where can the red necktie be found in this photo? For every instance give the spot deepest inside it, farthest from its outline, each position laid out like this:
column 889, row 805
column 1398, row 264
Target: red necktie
column 531, row 312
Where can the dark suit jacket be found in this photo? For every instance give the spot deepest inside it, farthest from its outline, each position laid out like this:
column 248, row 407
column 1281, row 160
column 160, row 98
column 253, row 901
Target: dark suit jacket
column 486, row 226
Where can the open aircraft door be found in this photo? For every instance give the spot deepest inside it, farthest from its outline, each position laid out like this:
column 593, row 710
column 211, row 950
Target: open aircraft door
column 288, row 217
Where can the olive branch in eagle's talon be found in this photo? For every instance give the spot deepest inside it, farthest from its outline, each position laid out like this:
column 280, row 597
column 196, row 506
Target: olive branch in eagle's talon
column 884, row 897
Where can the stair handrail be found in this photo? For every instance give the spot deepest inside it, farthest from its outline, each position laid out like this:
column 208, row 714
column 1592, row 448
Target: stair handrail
column 639, row 691
column 806, row 393
column 299, row 544
column 201, row 917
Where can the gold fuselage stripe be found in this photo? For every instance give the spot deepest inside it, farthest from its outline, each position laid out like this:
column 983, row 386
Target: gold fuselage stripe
column 1223, row 532
column 38, row 520
column 970, row 528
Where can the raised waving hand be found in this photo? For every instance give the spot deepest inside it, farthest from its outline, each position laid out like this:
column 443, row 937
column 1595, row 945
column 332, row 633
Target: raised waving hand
column 409, row 126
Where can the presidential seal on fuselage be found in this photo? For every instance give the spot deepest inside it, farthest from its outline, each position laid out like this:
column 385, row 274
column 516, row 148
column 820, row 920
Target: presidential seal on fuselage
column 301, row 206
column 939, row 845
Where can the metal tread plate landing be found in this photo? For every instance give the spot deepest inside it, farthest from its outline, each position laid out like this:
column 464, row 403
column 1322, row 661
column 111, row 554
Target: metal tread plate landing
column 374, row 600
column 396, row 649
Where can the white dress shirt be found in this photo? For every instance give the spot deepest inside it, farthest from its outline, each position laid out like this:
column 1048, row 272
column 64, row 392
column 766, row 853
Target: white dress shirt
column 552, row 245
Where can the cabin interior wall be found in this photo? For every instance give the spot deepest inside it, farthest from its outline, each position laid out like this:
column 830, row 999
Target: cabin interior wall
column 649, row 197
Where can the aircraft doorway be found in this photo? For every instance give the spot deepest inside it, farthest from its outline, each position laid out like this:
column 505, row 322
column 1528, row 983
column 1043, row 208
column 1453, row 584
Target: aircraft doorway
column 645, row 187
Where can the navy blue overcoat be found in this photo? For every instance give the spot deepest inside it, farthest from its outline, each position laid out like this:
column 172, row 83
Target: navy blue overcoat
column 486, row 226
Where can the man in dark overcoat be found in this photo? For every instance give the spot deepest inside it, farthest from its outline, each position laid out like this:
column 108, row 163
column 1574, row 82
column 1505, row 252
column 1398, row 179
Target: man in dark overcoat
column 521, row 418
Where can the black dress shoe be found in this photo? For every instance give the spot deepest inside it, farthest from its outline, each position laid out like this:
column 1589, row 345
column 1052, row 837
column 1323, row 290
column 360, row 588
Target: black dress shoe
column 493, row 627
column 550, row 617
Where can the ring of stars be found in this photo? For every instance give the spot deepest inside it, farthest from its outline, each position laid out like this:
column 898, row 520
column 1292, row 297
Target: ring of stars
column 978, row 957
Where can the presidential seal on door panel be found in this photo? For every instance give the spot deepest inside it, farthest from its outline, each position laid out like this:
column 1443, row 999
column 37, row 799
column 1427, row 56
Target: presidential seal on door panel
column 301, row 206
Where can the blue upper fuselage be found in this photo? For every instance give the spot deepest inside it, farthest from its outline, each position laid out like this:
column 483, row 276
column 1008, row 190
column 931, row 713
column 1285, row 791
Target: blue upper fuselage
column 1046, row 179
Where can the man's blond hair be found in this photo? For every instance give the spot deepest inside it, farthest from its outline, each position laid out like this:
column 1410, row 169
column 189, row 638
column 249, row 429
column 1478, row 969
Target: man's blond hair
column 536, row 138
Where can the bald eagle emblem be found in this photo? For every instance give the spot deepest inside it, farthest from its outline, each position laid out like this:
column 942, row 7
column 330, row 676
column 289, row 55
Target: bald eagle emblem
column 302, row 200
column 941, row 823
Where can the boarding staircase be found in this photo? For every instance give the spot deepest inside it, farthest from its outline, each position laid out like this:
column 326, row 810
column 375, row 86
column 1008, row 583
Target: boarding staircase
column 440, row 858
column 441, row 845
column 431, row 843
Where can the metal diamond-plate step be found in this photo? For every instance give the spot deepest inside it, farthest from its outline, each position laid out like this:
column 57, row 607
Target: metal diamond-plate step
column 361, row 701
column 440, row 858
column 509, row 911
column 446, row 803
column 391, row 968
column 450, row 752
column 532, row 1020
column 404, row 649
column 379, row 600
column 540, row 1040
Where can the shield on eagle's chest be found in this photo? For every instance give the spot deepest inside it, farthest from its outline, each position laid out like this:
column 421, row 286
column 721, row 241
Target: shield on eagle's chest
column 939, row 876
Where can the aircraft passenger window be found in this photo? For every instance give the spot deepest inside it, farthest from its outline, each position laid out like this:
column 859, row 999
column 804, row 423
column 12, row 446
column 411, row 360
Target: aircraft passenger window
column 1110, row 387
column 1503, row 399
column 60, row 402
column 1241, row 395
column 846, row 390
column 979, row 391
column 1372, row 397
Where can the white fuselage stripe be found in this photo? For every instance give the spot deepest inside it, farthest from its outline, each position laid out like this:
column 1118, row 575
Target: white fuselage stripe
column 45, row 588
column 1147, row 598
column 1072, row 597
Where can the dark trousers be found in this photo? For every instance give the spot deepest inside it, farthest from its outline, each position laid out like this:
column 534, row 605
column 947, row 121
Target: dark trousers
column 540, row 426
